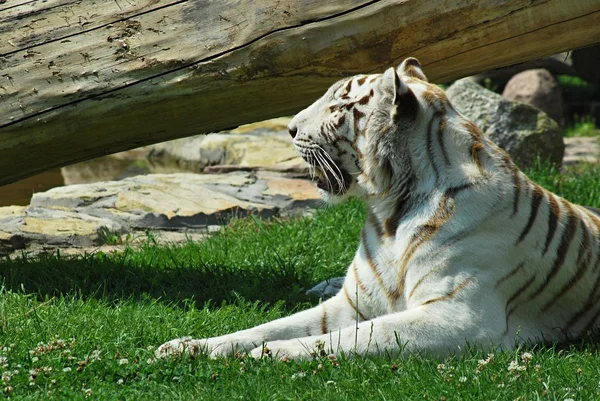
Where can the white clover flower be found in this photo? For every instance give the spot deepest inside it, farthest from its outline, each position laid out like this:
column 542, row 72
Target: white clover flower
column 35, row 359
column 6, row 377
column 462, row 379
column 120, row 381
column 298, row 375
column 95, row 355
column 526, row 357
column 515, row 367
column 123, row 361
column 67, row 369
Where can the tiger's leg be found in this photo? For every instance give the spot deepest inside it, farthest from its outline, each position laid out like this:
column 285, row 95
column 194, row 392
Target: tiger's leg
column 343, row 310
column 434, row 329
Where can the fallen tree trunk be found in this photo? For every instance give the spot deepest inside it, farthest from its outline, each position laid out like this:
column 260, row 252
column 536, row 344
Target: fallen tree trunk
column 83, row 79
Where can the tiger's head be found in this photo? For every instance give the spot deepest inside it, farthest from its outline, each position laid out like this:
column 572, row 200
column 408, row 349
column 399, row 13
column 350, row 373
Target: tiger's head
column 355, row 137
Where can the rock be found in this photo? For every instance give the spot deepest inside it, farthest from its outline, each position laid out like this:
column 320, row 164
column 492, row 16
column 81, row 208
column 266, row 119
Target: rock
column 111, row 167
column 91, row 214
column 522, row 130
column 537, row 88
column 498, row 78
column 264, row 145
column 326, row 289
column 581, row 150
column 255, row 146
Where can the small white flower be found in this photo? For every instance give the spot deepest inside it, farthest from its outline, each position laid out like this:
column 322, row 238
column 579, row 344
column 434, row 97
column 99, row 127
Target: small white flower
column 462, row 379
column 526, row 357
column 35, row 359
column 515, row 367
column 123, row 361
column 150, row 361
column 298, row 375
column 6, row 377
column 330, row 382
column 569, row 399
column 67, row 369
column 95, row 355
column 120, row 381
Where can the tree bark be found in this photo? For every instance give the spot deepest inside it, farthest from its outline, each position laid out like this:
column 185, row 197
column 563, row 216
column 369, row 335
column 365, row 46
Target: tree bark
column 80, row 79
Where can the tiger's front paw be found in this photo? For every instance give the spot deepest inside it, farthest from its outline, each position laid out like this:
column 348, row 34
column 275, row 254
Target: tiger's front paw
column 213, row 347
column 284, row 350
column 183, row 345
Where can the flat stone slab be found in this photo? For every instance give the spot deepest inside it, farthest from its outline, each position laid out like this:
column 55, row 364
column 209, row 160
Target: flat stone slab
column 88, row 215
column 581, row 150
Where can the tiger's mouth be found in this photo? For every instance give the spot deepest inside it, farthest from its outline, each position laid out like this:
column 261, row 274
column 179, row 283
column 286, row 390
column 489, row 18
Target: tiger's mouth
column 330, row 177
column 335, row 181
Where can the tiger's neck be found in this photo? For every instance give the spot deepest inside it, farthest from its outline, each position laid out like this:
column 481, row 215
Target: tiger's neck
column 460, row 159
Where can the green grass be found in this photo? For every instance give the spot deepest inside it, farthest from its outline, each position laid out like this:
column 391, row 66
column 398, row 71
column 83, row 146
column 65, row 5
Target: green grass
column 572, row 81
column 585, row 126
column 72, row 328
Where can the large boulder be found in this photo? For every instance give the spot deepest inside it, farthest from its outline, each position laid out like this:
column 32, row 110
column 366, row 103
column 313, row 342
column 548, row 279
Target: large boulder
column 538, row 88
column 522, row 130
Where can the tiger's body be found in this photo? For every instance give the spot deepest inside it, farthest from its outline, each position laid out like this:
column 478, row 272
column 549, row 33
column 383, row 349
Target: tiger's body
column 459, row 247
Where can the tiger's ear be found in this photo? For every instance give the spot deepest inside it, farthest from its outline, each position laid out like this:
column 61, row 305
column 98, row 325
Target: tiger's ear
column 411, row 68
column 404, row 101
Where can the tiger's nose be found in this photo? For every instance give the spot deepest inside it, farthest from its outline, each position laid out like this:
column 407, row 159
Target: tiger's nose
column 293, row 131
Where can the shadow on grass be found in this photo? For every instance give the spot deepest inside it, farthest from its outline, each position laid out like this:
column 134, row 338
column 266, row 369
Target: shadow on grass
column 124, row 276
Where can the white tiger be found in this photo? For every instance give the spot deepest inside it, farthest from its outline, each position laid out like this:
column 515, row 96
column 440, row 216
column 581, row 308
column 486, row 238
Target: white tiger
column 459, row 247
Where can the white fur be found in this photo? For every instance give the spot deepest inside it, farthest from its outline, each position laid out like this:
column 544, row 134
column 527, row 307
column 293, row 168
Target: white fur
column 471, row 252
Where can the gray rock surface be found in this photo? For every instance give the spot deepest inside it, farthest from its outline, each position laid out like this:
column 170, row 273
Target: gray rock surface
column 538, row 88
column 93, row 214
column 522, row 130
column 326, row 288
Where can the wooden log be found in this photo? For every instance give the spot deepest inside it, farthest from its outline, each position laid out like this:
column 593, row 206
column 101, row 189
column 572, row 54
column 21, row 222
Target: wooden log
column 81, row 79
